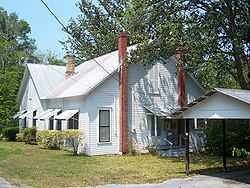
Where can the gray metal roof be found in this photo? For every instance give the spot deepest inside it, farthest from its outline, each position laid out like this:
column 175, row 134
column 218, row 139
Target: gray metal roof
column 239, row 94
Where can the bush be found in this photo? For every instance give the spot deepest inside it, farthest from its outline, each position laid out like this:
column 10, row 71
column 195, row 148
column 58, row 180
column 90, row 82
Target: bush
column 240, row 152
column 10, row 133
column 52, row 139
column 72, row 139
column 29, row 135
column 19, row 137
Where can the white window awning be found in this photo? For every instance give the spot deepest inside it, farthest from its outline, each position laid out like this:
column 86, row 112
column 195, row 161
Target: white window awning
column 52, row 112
column 26, row 114
column 66, row 115
column 42, row 113
column 19, row 114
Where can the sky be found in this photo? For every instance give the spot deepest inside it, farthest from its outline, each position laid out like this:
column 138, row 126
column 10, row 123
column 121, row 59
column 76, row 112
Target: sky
column 44, row 28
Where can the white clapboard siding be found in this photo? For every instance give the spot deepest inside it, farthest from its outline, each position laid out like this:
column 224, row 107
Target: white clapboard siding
column 166, row 97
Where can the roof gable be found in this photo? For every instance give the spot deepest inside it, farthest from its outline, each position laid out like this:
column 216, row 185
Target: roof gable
column 45, row 77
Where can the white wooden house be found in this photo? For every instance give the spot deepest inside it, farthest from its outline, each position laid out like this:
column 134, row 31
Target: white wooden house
column 88, row 98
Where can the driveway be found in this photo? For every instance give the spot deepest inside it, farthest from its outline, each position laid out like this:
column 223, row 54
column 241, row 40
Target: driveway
column 239, row 179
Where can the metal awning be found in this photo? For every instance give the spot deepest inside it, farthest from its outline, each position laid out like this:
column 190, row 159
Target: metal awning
column 42, row 113
column 26, row 114
column 158, row 111
column 66, row 115
column 19, row 114
column 49, row 114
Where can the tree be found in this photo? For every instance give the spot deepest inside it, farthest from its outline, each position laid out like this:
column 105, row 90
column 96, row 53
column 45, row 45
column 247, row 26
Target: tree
column 15, row 43
column 215, row 34
column 219, row 32
column 50, row 58
column 15, row 48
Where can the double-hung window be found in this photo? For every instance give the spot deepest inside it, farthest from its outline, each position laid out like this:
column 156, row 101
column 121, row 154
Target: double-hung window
column 104, row 125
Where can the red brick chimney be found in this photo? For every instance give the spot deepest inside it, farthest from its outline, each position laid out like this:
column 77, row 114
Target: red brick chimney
column 122, row 49
column 182, row 98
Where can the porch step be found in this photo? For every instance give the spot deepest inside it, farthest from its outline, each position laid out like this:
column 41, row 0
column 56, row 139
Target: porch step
column 175, row 152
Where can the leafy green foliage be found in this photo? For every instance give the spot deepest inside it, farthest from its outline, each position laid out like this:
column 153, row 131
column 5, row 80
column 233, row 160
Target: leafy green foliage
column 19, row 137
column 10, row 79
column 214, row 34
column 240, row 152
column 9, row 133
column 51, row 139
column 29, row 135
column 54, row 139
column 237, row 135
column 16, row 47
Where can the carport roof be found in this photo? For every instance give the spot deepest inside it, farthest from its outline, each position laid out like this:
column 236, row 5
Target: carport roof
column 239, row 94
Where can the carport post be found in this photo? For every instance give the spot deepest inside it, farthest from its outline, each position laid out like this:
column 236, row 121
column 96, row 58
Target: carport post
column 224, row 144
column 187, row 159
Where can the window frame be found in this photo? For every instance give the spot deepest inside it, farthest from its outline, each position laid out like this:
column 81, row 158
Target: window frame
column 110, row 124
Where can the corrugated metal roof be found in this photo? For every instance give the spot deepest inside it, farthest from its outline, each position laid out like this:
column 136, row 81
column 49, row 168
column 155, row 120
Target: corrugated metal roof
column 239, row 94
column 19, row 114
column 88, row 76
column 46, row 77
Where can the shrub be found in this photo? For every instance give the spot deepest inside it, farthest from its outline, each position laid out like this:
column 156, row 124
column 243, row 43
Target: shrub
column 19, row 137
column 72, row 139
column 240, row 152
column 10, row 133
column 29, row 135
column 54, row 139
column 51, row 139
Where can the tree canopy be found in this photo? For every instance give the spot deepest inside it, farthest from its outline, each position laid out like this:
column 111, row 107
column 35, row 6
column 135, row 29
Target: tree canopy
column 15, row 47
column 214, row 34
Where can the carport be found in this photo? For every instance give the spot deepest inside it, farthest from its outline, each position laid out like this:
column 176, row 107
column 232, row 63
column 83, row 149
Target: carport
column 217, row 104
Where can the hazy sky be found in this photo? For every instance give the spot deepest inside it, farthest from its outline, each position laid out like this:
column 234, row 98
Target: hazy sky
column 44, row 28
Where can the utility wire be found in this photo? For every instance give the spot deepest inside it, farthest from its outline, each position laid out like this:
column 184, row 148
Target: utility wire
column 110, row 74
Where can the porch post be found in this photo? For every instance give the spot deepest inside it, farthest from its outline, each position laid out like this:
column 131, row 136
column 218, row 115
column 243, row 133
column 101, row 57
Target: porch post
column 187, row 159
column 155, row 122
column 224, row 144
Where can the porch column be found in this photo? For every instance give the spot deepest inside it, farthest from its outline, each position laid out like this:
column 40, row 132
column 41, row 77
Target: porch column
column 195, row 123
column 155, row 122
column 224, row 144
column 187, row 159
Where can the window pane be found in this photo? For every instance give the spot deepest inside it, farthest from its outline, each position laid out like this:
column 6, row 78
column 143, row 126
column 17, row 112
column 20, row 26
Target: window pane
column 104, row 133
column 51, row 123
column 104, row 126
column 104, row 117
column 59, row 125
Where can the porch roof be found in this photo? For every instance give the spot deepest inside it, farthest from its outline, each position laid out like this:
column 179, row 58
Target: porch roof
column 219, row 103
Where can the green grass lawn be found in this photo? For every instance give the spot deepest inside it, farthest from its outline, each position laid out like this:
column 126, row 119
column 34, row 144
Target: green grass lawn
column 30, row 165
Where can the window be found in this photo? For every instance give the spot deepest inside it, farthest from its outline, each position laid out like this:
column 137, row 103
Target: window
column 34, row 120
column 73, row 122
column 152, row 125
column 24, row 123
column 104, row 125
column 51, row 123
column 58, row 124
